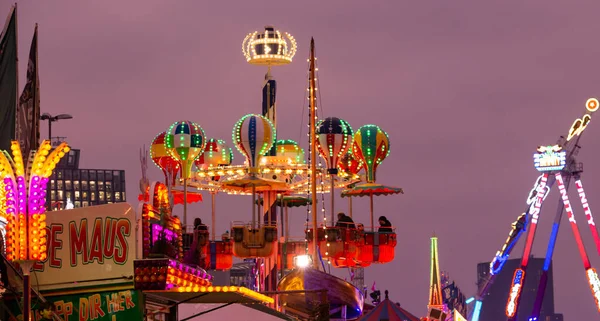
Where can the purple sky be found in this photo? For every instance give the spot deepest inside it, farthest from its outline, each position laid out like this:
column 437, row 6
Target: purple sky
column 465, row 89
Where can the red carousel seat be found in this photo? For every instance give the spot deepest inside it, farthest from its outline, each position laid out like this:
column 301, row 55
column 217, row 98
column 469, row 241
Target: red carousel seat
column 220, row 255
column 251, row 242
column 336, row 243
column 377, row 247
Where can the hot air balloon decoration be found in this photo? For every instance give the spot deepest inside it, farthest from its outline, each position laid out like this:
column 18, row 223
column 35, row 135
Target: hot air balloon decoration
column 253, row 136
column 334, row 138
column 163, row 160
column 184, row 141
column 216, row 153
column 349, row 165
column 371, row 146
column 290, row 149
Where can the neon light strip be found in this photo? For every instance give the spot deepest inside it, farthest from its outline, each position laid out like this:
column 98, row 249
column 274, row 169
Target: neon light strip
column 535, row 215
column 551, row 244
column 588, row 213
column 515, row 292
column 569, row 210
column 594, row 285
column 476, row 310
column 157, row 230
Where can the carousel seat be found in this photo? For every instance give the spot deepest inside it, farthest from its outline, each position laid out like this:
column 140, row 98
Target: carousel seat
column 335, row 243
column 220, row 255
column 377, row 247
column 251, row 242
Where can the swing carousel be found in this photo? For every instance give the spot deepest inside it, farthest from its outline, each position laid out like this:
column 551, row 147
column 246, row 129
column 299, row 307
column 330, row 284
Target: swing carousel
column 276, row 176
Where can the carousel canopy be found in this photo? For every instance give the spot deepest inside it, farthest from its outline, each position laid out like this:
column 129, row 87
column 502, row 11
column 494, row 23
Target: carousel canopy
column 388, row 311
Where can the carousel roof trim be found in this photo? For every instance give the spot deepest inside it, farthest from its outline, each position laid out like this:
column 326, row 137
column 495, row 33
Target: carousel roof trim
column 384, row 311
column 215, row 298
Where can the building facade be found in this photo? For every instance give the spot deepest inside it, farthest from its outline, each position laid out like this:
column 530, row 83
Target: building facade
column 83, row 187
column 494, row 301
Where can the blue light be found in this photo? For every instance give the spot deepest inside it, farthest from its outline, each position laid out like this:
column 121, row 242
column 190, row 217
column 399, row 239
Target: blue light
column 551, row 243
column 469, row 300
column 477, row 310
column 518, row 276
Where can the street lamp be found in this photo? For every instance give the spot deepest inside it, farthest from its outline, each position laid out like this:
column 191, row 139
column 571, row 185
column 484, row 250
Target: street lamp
column 50, row 119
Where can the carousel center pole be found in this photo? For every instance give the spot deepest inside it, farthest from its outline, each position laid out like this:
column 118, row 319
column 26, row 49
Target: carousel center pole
column 254, row 206
column 185, row 200
column 287, row 224
column 213, row 195
column 313, row 151
column 350, row 206
column 372, row 222
column 332, row 223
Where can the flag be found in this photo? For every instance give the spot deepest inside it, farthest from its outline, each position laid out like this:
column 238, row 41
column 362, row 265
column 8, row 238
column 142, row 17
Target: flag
column 268, row 105
column 28, row 112
column 8, row 80
column 373, row 287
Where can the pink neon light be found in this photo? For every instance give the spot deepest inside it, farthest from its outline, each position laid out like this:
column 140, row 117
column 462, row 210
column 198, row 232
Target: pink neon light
column 588, row 213
column 569, row 210
column 22, row 194
column 535, row 215
column 157, row 229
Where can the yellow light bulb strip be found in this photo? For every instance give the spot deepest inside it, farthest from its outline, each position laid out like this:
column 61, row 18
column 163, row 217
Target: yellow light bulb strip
column 224, row 289
column 17, row 158
column 54, row 158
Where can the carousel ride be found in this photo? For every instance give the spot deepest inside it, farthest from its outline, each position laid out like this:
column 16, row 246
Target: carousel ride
column 276, row 176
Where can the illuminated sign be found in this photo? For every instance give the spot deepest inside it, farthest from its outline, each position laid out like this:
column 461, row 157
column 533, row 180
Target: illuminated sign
column 584, row 203
column 98, row 306
column 515, row 291
column 592, row 105
column 594, row 285
column 565, row 198
column 550, row 158
column 533, row 194
column 88, row 246
column 535, row 213
column 578, row 126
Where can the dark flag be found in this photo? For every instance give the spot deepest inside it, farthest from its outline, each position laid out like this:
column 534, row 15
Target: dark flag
column 8, row 80
column 268, row 105
column 28, row 112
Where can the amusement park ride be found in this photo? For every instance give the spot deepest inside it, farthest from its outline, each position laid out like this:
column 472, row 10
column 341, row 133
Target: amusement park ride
column 275, row 171
column 176, row 255
column 558, row 164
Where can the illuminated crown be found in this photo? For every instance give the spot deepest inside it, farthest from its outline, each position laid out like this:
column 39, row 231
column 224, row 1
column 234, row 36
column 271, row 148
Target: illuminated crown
column 269, row 47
